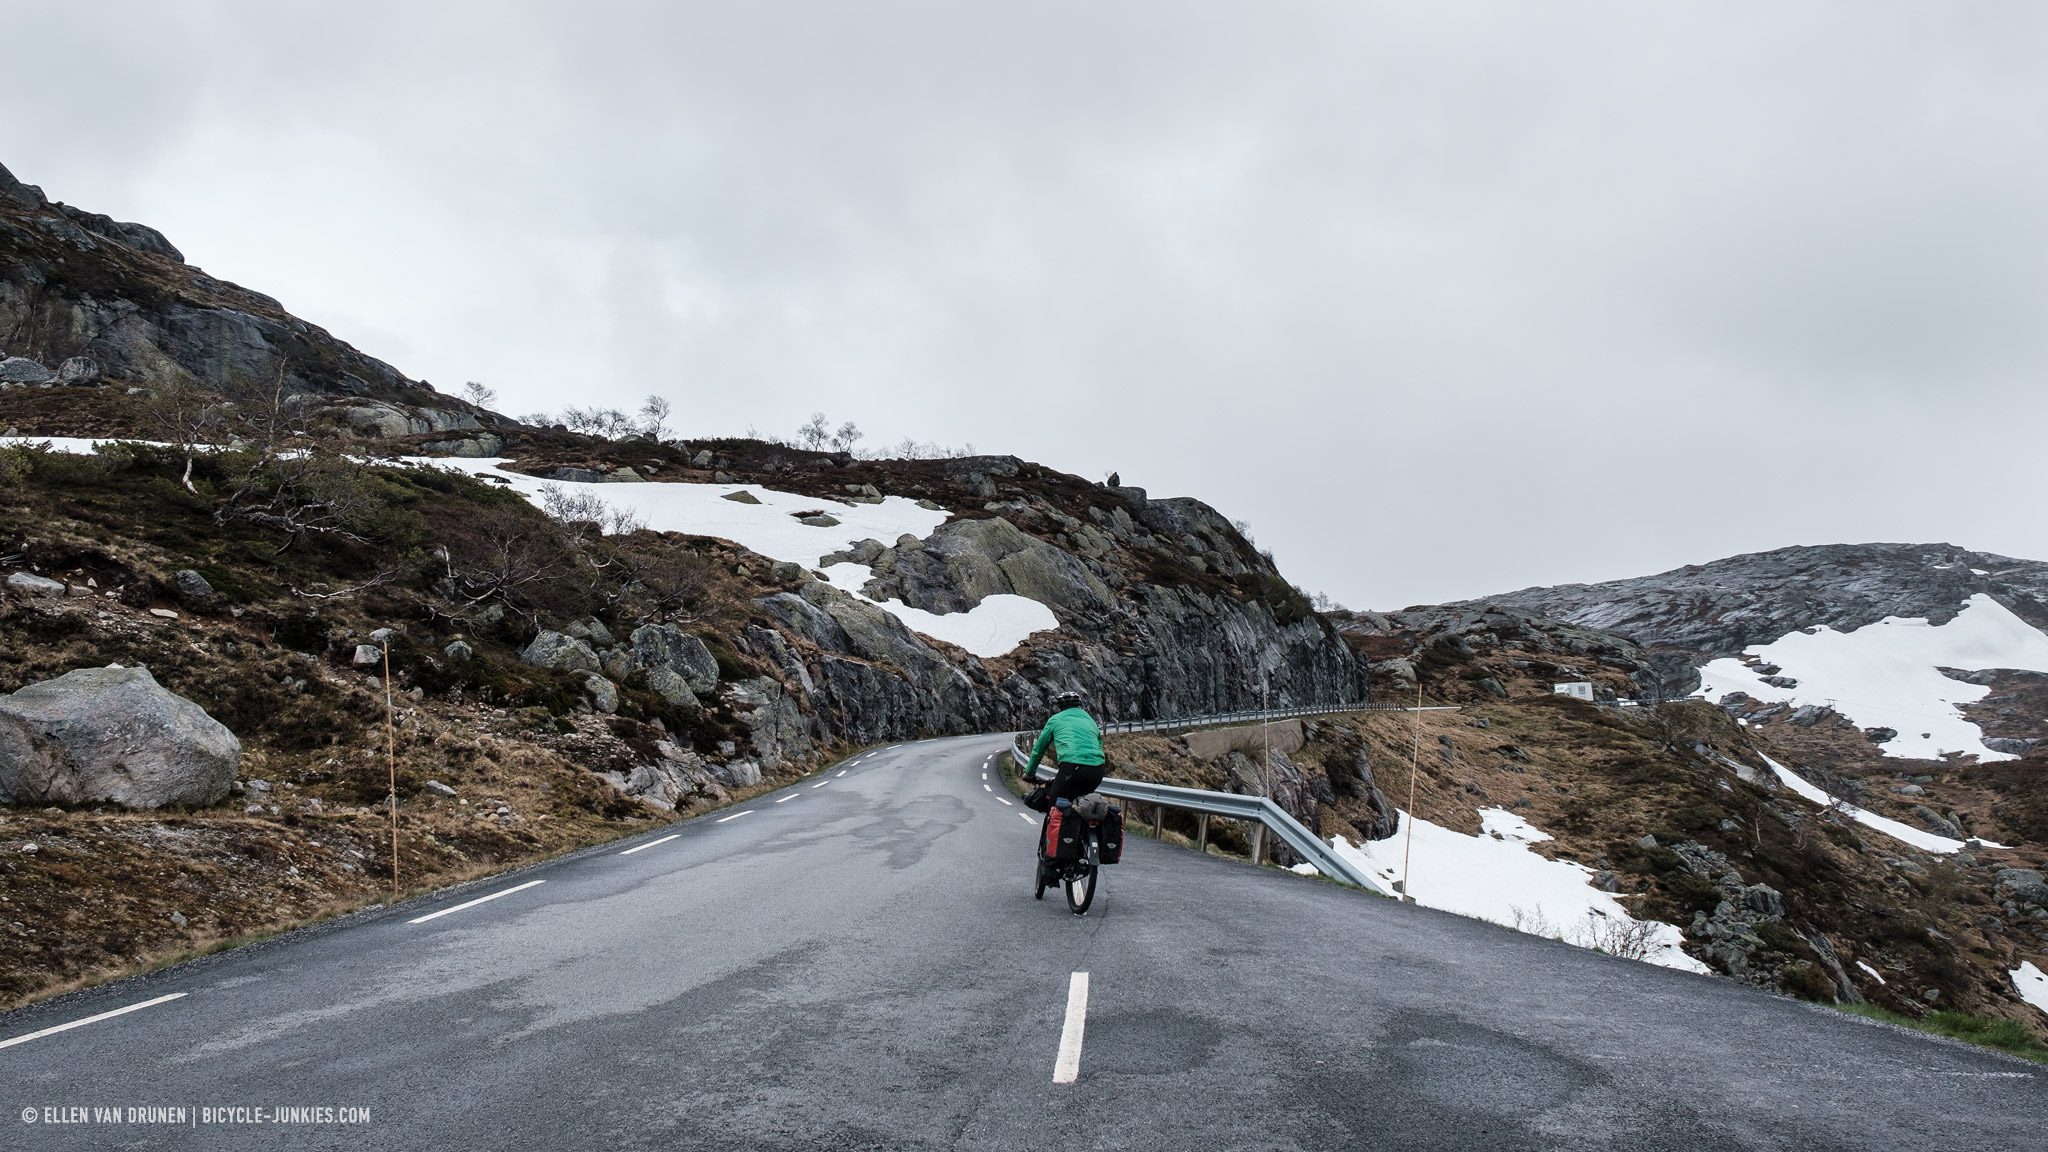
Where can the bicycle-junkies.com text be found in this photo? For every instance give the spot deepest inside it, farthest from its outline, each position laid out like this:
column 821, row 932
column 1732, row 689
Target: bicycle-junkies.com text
column 193, row 1115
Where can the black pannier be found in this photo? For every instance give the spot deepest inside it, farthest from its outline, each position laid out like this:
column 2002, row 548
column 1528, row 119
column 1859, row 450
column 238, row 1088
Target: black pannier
column 1107, row 820
column 1110, row 835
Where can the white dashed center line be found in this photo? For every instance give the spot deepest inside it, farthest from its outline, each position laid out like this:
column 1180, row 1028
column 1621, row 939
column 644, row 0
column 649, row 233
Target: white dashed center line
column 821, row 783
column 650, row 844
column 842, row 772
column 89, row 1020
column 475, row 902
column 788, row 798
column 986, row 788
column 1027, row 817
column 1004, row 803
column 734, row 816
column 1067, row 1067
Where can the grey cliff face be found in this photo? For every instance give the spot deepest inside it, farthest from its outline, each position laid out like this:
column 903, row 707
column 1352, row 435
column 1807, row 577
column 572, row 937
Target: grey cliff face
column 1138, row 649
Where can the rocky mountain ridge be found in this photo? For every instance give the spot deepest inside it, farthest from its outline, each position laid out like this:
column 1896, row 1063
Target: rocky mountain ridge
column 1719, row 608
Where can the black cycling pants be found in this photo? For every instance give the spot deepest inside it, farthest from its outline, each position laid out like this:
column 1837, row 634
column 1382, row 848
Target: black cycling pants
column 1074, row 781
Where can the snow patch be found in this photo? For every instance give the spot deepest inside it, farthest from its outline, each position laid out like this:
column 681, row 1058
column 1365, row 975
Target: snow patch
column 1886, row 675
column 1495, row 876
column 73, row 445
column 1904, row 833
column 772, row 528
column 1872, row 971
column 2032, row 984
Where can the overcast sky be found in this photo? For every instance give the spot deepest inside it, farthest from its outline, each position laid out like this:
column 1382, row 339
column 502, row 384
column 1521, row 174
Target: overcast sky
column 1444, row 299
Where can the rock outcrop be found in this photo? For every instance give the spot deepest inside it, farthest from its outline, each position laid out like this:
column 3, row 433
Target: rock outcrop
column 103, row 298
column 664, row 647
column 111, row 735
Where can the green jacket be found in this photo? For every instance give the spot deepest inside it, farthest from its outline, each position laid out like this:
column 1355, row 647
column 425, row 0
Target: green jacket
column 1073, row 736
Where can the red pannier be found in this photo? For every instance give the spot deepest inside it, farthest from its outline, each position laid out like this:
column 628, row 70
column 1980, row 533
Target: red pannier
column 1063, row 841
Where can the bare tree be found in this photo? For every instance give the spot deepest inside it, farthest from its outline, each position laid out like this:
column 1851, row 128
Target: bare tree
column 654, row 413
column 1626, row 938
column 847, row 436
column 604, row 423
column 480, row 394
column 511, row 557
column 814, row 433
column 580, row 512
column 190, row 418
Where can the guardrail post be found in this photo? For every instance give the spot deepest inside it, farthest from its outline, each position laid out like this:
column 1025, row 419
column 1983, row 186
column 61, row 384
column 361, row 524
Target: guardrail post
column 1258, row 841
column 1202, row 832
column 1159, row 821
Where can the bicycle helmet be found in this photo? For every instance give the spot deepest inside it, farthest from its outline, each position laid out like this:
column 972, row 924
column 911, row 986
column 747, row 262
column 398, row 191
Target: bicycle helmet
column 1061, row 701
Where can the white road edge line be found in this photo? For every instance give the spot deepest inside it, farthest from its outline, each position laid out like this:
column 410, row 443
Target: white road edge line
column 1068, row 1067
column 651, row 844
column 788, row 798
column 734, row 816
column 90, row 1020
column 475, row 902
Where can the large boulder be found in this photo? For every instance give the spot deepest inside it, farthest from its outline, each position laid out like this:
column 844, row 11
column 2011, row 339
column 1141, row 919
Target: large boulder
column 22, row 370
column 561, row 653
column 670, row 686
column 79, row 372
column 30, row 584
column 667, row 646
column 112, row 735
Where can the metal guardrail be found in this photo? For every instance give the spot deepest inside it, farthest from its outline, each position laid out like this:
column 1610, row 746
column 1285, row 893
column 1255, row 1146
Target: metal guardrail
column 1255, row 717
column 1257, row 809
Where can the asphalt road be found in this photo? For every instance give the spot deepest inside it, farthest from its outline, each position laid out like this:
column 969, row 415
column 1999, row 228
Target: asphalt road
column 856, row 962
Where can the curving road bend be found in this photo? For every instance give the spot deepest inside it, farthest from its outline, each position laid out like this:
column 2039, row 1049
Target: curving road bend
column 856, row 963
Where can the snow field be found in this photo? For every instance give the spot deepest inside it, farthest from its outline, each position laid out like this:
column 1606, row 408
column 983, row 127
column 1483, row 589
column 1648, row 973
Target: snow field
column 1495, row 876
column 1885, row 675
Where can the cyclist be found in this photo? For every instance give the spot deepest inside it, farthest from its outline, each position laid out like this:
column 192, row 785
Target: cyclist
column 1077, row 742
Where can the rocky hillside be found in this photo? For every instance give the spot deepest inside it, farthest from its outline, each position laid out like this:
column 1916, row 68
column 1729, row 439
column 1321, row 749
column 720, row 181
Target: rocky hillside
column 578, row 646
column 1672, row 811
column 1827, row 664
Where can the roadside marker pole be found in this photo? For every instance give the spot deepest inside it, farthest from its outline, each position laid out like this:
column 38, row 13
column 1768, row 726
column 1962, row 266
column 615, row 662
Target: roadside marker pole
column 391, row 761
column 1414, row 765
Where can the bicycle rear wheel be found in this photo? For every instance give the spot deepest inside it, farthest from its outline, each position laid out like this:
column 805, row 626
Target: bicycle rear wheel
column 1080, row 881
